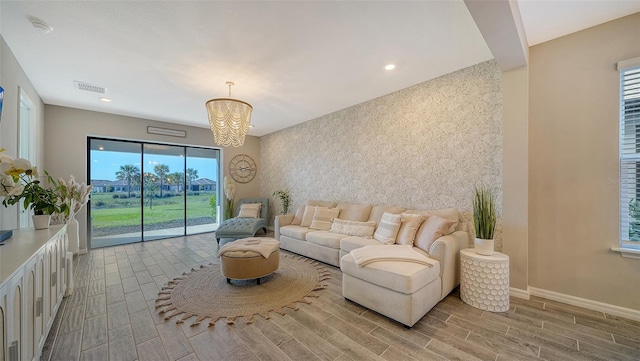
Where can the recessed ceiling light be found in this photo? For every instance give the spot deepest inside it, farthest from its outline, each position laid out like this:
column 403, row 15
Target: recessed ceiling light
column 390, row 66
column 105, row 99
column 250, row 125
column 41, row 26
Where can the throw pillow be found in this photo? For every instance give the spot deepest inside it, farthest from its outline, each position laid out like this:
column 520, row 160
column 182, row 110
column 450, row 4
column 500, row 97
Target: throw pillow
column 409, row 227
column 388, row 228
column 297, row 219
column 249, row 210
column 353, row 228
column 323, row 217
column 307, row 218
column 432, row 228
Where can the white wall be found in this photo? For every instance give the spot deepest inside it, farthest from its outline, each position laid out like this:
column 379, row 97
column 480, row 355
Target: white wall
column 67, row 129
column 12, row 79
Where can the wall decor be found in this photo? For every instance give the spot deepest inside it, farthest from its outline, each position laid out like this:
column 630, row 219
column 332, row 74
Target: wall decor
column 242, row 168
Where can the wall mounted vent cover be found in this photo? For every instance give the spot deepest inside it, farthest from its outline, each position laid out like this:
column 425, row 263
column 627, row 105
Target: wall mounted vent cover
column 80, row 85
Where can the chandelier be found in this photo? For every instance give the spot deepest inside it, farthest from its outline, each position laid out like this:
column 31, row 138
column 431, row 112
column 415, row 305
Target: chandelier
column 229, row 119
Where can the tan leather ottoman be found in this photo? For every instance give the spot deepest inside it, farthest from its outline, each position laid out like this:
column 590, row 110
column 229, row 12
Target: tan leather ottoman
column 249, row 258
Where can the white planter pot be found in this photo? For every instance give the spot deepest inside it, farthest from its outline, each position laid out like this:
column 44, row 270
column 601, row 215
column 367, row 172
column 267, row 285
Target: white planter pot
column 484, row 246
column 41, row 221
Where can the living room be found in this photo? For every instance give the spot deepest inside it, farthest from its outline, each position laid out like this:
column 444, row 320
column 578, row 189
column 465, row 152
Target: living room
column 545, row 135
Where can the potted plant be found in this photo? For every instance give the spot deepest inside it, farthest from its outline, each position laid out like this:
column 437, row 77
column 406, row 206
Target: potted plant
column 285, row 199
column 19, row 181
column 484, row 220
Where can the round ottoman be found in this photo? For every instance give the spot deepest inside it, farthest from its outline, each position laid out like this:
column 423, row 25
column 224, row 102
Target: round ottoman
column 249, row 258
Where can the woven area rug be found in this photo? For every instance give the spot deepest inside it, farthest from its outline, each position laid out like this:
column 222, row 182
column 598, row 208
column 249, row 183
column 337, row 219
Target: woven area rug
column 204, row 294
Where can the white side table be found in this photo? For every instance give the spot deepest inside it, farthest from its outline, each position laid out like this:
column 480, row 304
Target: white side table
column 484, row 280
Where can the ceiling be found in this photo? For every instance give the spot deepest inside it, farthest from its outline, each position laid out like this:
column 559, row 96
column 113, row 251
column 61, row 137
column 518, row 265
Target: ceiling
column 292, row 60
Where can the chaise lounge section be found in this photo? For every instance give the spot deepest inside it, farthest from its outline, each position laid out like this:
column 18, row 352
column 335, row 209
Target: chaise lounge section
column 236, row 228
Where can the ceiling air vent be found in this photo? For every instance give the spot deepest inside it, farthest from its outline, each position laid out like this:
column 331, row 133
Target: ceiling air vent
column 80, row 85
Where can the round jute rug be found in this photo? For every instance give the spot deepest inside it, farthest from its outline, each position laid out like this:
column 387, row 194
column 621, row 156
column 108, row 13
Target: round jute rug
column 205, row 294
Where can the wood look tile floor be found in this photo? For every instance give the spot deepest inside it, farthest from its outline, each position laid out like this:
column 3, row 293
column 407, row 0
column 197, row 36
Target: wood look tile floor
column 111, row 316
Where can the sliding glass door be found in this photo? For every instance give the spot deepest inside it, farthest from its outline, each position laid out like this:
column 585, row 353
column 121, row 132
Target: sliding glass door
column 147, row 191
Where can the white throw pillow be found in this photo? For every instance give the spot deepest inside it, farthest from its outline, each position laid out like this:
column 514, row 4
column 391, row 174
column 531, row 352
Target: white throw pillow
column 250, row 210
column 388, row 228
column 323, row 217
column 307, row 218
column 353, row 228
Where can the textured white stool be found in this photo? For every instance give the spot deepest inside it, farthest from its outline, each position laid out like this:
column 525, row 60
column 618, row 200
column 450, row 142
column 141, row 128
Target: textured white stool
column 484, row 280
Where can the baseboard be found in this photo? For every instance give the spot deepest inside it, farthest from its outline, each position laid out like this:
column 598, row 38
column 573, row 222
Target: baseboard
column 519, row 293
column 585, row 303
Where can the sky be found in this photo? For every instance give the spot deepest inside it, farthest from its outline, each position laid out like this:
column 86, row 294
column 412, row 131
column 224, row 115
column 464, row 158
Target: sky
column 105, row 164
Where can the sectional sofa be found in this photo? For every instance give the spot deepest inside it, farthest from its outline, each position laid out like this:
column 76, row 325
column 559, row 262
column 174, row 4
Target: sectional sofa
column 399, row 289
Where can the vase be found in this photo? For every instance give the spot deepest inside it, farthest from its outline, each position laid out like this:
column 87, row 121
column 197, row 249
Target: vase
column 483, row 246
column 41, row 221
column 73, row 232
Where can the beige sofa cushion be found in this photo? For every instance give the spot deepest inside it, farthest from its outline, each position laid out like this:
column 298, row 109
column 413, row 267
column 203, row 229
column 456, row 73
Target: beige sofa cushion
column 432, row 228
column 388, row 228
column 314, row 202
column 297, row 232
column 409, row 227
column 403, row 277
column 450, row 214
column 350, row 243
column 378, row 211
column 325, row 238
column 354, row 212
column 323, row 217
column 297, row 218
column 353, row 228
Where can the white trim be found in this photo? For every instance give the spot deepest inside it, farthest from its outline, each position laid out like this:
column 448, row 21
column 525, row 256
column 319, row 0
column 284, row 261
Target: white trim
column 627, row 252
column 585, row 303
column 628, row 63
column 520, row 293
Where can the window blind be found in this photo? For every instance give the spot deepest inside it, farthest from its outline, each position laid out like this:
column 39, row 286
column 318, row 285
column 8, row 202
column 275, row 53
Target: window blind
column 630, row 156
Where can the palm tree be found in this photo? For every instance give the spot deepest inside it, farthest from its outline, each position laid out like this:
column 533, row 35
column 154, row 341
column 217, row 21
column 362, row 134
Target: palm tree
column 176, row 178
column 128, row 173
column 161, row 171
column 191, row 175
column 150, row 187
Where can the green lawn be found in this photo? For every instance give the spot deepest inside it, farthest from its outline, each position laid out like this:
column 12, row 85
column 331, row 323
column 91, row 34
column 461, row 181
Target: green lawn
column 107, row 212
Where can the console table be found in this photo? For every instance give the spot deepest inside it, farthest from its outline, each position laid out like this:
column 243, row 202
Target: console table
column 32, row 284
column 484, row 280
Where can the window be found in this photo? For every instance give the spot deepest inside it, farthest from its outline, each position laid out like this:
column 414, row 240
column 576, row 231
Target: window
column 630, row 154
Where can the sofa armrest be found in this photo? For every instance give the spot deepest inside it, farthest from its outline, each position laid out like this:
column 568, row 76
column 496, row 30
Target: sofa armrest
column 281, row 221
column 446, row 250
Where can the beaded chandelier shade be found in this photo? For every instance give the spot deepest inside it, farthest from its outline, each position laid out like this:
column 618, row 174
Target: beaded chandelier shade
column 229, row 119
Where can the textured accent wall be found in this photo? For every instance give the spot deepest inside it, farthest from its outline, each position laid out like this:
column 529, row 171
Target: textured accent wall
column 422, row 147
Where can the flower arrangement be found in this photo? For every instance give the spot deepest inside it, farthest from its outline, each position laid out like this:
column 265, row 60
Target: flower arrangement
column 19, row 181
column 73, row 195
column 229, row 193
column 285, row 199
